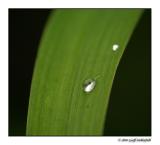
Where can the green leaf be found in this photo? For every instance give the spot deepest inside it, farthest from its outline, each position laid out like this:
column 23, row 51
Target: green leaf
column 76, row 46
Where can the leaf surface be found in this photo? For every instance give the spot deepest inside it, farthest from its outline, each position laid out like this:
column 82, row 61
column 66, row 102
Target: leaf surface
column 76, row 46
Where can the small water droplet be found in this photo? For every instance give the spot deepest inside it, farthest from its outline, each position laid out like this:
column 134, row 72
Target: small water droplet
column 89, row 85
column 115, row 47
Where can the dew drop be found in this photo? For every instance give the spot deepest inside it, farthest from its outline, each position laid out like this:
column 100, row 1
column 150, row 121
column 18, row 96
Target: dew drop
column 89, row 85
column 115, row 47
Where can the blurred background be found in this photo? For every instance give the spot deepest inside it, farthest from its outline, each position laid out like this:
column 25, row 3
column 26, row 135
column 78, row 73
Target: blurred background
column 130, row 112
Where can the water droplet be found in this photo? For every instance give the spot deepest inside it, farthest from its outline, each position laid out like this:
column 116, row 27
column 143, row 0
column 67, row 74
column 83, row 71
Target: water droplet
column 115, row 47
column 89, row 85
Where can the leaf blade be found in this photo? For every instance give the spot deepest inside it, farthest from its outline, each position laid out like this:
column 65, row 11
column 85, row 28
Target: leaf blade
column 77, row 45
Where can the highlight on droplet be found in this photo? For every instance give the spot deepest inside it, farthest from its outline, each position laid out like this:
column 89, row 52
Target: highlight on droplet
column 89, row 85
column 115, row 47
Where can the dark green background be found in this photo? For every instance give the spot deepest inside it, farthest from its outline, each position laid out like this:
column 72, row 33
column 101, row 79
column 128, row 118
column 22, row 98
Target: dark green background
column 129, row 112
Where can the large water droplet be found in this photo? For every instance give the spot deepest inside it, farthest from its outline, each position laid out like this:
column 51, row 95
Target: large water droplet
column 89, row 85
column 115, row 47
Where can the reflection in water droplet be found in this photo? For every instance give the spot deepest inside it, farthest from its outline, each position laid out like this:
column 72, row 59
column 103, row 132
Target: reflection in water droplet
column 89, row 85
column 115, row 47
